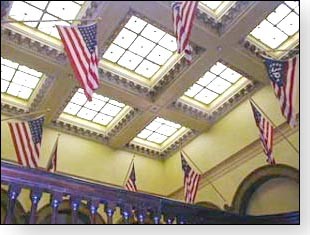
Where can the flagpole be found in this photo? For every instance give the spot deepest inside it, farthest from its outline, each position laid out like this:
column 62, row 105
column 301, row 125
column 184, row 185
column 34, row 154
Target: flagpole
column 129, row 169
column 26, row 114
column 215, row 189
column 30, row 21
column 289, row 142
column 51, row 156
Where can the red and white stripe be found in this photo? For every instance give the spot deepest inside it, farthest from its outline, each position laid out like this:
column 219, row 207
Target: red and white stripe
column 191, row 186
column 27, row 152
column 266, row 136
column 130, row 186
column 84, row 64
column 183, row 18
column 288, row 93
column 52, row 163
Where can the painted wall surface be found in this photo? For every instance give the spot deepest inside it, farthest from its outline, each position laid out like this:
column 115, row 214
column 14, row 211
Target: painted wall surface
column 269, row 199
column 95, row 161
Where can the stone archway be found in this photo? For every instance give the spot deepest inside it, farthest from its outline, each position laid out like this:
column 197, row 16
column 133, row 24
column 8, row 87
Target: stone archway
column 255, row 179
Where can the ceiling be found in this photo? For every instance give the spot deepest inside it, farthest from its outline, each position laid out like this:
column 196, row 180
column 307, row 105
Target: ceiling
column 150, row 101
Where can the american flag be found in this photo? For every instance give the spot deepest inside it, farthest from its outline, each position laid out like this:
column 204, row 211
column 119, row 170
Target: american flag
column 285, row 81
column 131, row 182
column 52, row 163
column 80, row 44
column 191, row 180
column 265, row 133
column 27, row 137
column 183, row 14
column 5, row 9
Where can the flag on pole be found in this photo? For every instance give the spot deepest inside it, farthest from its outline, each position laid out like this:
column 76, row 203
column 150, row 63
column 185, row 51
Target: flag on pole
column 80, row 44
column 131, row 182
column 5, row 9
column 183, row 14
column 284, row 79
column 265, row 133
column 52, row 163
column 27, row 136
column 191, row 180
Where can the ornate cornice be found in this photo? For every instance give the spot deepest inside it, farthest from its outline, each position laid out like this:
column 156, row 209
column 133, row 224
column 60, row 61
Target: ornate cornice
column 91, row 11
column 163, row 154
column 220, row 111
column 232, row 14
column 10, row 109
column 255, row 50
column 36, row 47
column 43, row 90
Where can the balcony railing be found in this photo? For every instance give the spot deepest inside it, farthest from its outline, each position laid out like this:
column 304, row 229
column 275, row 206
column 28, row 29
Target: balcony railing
column 141, row 205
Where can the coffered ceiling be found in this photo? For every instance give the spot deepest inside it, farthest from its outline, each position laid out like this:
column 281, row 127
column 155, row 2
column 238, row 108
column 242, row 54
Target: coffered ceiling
column 150, row 101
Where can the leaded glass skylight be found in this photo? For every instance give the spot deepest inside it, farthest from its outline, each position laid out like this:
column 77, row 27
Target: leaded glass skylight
column 101, row 110
column 46, row 10
column 213, row 5
column 141, row 47
column 213, row 83
column 279, row 26
column 18, row 80
column 159, row 130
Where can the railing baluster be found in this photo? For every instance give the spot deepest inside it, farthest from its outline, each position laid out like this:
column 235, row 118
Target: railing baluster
column 75, row 204
column 56, row 200
column 93, row 207
column 109, row 209
column 126, row 213
column 141, row 215
column 13, row 194
column 168, row 219
column 35, row 197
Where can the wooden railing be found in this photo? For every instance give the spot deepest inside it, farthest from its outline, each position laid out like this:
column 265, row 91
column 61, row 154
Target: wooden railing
column 142, row 205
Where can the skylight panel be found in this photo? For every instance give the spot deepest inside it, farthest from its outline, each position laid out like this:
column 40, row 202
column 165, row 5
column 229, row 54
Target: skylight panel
column 213, row 83
column 279, row 25
column 46, row 10
column 18, row 80
column 101, row 109
column 141, row 47
column 213, row 5
column 159, row 130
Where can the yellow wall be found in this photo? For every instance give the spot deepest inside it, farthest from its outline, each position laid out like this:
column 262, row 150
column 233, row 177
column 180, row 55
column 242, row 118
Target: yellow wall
column 85, row 158
column 267, row 198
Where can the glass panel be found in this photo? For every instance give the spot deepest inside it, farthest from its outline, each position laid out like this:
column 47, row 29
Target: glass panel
column 142, row 46
column 113, row 53
column 292, row 4
column 279, row 13
column 72, row 108
column 212, row 4
column 230, row 75
column 206, row 96
column 102, row 119
column 50, row 27
column 206, row 79
column 218, row 85
column 166, row 130
column 217, row 68
column 79, row 98
column 110, row 110
column 168, row 42
column 152, row 33
column 7, row 73
column 23, row 11
column 135, row 24
column 63, row 9
column 125, row 38
column 116, row 103
column 153, row 126
column 86, row 114
column 25, row 79
column 29, row 71
column 24, row 92
column 144, row 134
column 157, row 138
column 38, row 4
column 290, row 25
column 193, row 90
column 147, row 69
column 129, row 60
column 95, row 104
column 159, row 55
column 4, row 85
column 9, row 63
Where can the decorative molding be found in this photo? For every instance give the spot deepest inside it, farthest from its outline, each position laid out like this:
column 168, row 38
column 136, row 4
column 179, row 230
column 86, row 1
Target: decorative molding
column 91, row 11
column 255, row 179
column 254, row 49
column 232, row 14
column 163, row 154
column 10, row 109
column 224, row 108
column 238, row 159
column 36, row 47
column 42, row 92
